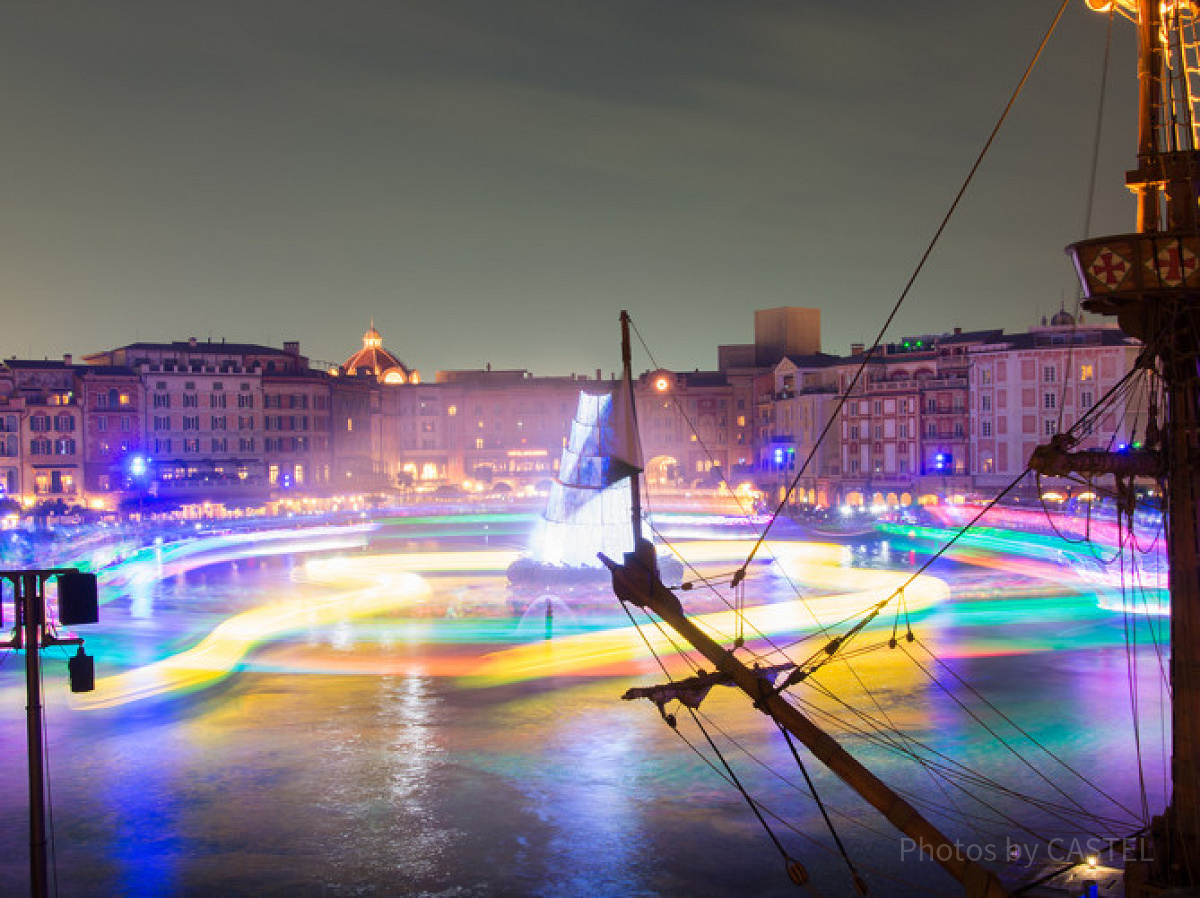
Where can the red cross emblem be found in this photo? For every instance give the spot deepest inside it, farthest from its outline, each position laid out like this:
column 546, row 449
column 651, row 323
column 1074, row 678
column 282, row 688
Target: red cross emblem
column 1108, row 268
column 1173, row 264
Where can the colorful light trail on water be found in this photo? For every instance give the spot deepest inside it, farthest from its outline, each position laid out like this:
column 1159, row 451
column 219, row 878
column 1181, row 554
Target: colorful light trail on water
column 219, row 653
column 407, row 613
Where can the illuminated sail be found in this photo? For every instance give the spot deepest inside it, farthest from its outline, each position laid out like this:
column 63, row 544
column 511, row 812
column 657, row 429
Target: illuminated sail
column 589, row 505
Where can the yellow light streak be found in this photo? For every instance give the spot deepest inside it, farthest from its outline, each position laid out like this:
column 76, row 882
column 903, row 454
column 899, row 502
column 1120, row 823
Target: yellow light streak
column 222, row 650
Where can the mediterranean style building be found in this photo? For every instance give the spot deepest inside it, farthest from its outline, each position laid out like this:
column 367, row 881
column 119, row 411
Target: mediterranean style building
column 922, row 419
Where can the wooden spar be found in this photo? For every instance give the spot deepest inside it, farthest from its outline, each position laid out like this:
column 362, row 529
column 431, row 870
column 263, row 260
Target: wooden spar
column 1163, row 311
column 636, row 581
column 1150, row 78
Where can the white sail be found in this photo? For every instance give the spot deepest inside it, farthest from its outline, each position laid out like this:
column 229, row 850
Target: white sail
column 588, row 508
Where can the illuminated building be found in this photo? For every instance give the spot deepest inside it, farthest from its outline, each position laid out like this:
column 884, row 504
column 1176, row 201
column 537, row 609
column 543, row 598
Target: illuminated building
column 297, row 445
column 112, row 398
column 12, row 410
column 688, row 422
column 375, row 361
column 203, row 425
column 1027, row 387
column 484, row 430
column 356, row 434
column 50, row 431
column 795, row 401
column 904, row 426
column 931, row 417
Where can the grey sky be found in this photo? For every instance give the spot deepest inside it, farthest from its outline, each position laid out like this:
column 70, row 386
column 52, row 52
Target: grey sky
column 492, row 182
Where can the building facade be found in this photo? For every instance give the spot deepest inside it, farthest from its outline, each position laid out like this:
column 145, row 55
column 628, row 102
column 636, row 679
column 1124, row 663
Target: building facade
column 928, row 418
column 1025, row 388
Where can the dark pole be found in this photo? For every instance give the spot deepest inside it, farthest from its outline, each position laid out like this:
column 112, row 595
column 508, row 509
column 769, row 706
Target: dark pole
column 635, row 487
column 31, row 608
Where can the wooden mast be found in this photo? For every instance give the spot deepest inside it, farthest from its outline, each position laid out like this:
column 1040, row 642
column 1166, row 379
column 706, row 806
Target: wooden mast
column 1150, row 282
column 637, row 581
column 635, row 487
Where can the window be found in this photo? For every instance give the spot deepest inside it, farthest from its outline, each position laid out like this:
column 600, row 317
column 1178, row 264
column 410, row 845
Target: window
column 102, row 424
column 1085, row 399
column 162, row 422
column 39, row 423
column 218, row 423
column 1049, row 427
column 985, row 428
column 191, row 422
column 1049, row 374
column 219, row 444
column 124, row 424
column 191, row 400
column 216, row 400
column 246, row 444
column 1049, row 401
column 1087, row 372
column 985, row 402
column 64, row 422
column 192, row 446
column 162, row 400
column 245, row 400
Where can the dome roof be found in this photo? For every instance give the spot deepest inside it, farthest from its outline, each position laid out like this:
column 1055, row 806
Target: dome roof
column 376, row 360
column 1062, row 318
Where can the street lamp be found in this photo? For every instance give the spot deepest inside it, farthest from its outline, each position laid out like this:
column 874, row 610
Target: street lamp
column 78, row 603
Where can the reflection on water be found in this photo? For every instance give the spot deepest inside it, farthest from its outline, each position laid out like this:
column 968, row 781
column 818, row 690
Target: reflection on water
column 395, row 721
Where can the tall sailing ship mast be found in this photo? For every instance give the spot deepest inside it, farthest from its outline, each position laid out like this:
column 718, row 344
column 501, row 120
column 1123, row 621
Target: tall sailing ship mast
column 1150, row 281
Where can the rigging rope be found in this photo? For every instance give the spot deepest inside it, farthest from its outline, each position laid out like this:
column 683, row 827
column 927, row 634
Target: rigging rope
column 869, row 354
column 795, row 870
column 859, row 885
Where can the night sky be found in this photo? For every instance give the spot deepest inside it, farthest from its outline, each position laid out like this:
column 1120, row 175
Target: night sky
column 493, row 181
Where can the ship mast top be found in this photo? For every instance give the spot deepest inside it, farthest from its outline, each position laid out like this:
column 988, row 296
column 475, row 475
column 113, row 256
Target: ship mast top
column 624, row 398
column 1150, row 281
